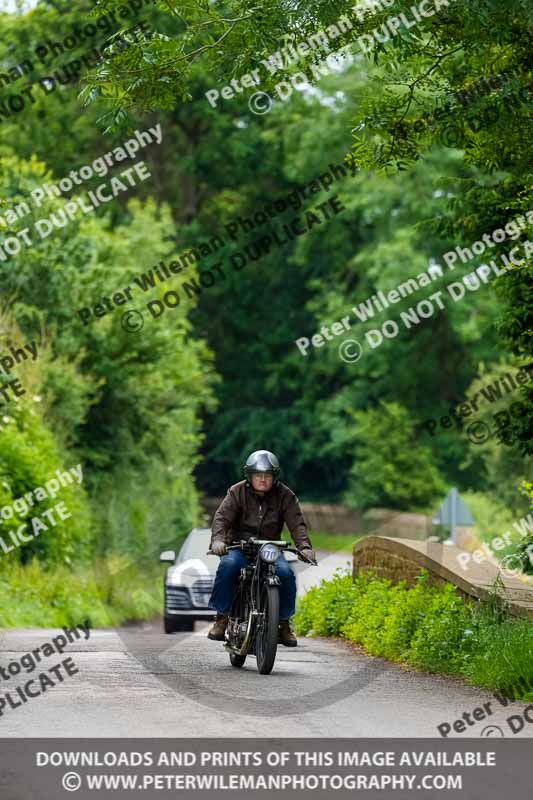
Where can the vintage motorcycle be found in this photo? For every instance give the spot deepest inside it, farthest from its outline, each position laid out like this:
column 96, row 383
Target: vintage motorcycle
column 253, row 623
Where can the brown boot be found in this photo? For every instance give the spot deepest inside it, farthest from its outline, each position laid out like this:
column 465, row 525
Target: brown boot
column 285, row 635
column 217, row 631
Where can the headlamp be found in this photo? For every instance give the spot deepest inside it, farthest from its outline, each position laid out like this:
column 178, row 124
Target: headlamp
column 269, row 553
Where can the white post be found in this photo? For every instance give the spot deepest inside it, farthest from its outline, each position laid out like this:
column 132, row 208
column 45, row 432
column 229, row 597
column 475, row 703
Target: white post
column 453, row 517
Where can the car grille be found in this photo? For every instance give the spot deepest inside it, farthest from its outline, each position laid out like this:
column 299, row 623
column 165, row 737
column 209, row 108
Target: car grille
column 177, row 598
column 201, row 591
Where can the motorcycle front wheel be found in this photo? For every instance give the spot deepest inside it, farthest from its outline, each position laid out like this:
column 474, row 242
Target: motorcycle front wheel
column 266, row 640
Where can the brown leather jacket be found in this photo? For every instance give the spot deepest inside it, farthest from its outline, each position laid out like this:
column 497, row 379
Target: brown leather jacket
column 244, row 513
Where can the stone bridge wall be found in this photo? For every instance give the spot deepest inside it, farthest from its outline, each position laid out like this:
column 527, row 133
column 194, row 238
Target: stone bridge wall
column 402, row 559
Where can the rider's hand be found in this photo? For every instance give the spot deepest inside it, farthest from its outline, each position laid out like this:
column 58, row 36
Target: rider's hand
column 219, row 548
column 308, row 555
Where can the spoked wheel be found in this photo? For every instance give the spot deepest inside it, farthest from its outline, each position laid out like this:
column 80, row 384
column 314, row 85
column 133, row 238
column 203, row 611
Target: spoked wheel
column 266, row 638
column 236, row 659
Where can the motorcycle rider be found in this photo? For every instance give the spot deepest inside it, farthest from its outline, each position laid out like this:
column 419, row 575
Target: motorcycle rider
column 257, row 507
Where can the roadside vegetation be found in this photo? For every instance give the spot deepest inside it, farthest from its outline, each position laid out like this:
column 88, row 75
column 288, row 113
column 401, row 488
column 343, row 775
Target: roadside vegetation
column 112, row 593
column 334, row 543
column 427, row 627
column 493, row 519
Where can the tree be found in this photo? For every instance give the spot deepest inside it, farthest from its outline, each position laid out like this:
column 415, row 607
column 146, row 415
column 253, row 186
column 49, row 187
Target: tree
column 402, row 475
column 127, row 403
column 468, row 62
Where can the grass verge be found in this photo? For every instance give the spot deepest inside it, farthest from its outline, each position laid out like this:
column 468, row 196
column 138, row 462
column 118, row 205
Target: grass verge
column 428, row 627
column 107, row 595
column 333, row 542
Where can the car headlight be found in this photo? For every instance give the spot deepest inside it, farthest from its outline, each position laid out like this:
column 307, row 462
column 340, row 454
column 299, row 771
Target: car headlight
column 174, row 578
column 185, row 573
column 269, row 552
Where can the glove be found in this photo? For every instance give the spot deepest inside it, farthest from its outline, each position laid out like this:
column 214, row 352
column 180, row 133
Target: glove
column 219, row 548
column 308, row 554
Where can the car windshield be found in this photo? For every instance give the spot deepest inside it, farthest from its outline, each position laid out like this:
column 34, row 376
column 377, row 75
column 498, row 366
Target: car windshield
column 195, row 545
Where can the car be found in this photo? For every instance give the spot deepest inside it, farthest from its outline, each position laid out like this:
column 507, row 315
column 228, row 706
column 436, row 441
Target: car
column 189, row 582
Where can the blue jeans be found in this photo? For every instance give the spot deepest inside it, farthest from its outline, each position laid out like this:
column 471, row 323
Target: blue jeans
column 226, row 580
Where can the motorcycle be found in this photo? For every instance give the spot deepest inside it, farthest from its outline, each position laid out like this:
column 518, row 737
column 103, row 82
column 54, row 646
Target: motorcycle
column 253, row 623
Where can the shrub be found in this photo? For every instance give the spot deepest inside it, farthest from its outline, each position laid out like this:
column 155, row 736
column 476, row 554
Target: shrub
column 367, row 618
column 443, row 638
column 402, row 475
column 29, row 457
column 326, row 606
column 428, row 627
column 112, row 593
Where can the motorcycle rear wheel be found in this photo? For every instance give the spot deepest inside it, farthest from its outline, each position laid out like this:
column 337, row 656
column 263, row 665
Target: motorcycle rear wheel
column 266, row 640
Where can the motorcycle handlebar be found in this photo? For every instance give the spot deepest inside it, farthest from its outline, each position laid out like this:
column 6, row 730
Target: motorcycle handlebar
column 286, row 547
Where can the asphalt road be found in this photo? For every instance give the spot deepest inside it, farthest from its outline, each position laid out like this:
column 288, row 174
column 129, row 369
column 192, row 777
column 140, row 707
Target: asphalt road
column 137, row 682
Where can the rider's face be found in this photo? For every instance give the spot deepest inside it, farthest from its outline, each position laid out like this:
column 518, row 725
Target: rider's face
column 262, row 481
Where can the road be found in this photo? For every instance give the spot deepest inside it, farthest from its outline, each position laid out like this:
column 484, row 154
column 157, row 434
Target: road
column 136, row 681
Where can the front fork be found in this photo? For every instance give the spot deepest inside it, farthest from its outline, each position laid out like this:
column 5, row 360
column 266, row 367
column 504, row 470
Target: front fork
column 269, row 578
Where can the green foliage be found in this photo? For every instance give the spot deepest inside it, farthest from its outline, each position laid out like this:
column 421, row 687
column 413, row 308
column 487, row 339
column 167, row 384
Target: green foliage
column 502, row 466
column 428, row 627
column 501, row 653
column 30, row 455
column 491, row 517
column 110, row 594
column 29, row 458
column 128, row 404
column 334, row 543
column 493, row 520
column 442, row 641
column 373, row 603
column 390, row 468
column 435, row 74
column 382, row 239
column 324, row 608
column 525, row 549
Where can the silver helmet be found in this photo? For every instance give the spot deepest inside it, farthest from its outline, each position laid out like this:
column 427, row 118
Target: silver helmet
column 262, row 461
